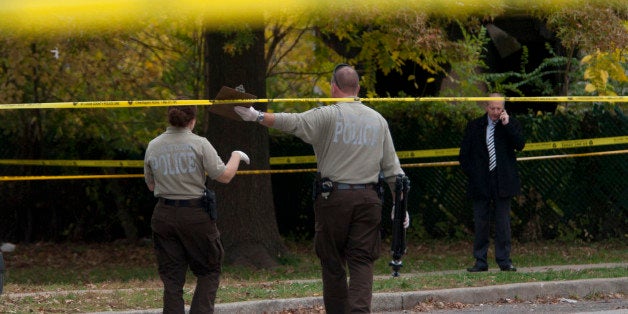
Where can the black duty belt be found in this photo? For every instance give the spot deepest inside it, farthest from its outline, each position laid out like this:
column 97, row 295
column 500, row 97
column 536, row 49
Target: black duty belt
column 346, row 186
column 182, row 203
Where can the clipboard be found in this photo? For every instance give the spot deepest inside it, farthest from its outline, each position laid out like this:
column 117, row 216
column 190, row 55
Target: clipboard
column 225, row 109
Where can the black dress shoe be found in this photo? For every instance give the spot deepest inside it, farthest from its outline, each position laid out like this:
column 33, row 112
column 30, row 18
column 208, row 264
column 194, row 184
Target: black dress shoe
column 508, row 268
column 477, row 268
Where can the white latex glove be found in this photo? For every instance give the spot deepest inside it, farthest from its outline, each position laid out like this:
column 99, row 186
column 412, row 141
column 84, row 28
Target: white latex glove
column 243, row 157
column 247, row 114
column 406, row 222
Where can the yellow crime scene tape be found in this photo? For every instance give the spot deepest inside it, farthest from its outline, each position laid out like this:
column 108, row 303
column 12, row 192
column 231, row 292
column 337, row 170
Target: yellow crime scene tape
column 45, row 17
column 292, row 160
column 207, row 102
column 448, row 152
column 74, row 163
column 259, row 172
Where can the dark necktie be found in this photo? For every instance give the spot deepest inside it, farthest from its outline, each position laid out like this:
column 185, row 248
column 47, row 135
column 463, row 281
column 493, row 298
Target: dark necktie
column 490, row 143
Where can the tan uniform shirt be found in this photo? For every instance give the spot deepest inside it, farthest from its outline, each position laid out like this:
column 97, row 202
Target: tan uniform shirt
column 351, row 141
column 177, row 162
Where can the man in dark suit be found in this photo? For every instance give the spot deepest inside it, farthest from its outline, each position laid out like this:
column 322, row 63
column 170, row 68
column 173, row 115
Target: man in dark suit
column 488, row 158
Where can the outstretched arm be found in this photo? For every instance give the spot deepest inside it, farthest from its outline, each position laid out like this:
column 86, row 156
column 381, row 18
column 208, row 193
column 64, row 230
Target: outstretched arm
column 251, row 114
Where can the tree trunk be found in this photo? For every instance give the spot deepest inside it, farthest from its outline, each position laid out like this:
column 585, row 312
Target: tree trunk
column 122, row 209
column 246, row 212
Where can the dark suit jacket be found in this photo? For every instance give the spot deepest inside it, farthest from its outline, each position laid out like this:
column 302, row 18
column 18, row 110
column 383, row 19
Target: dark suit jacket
column 474, row 157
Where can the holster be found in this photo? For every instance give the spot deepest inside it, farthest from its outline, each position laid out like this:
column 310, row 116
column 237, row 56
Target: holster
column 209, row 203
column 379, row 187
column 321, row 186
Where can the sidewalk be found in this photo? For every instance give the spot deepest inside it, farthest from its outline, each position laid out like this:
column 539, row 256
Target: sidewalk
column 403, row 301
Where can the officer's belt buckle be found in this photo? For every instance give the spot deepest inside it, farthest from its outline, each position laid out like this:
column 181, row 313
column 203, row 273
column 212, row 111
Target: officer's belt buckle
column 346, row 186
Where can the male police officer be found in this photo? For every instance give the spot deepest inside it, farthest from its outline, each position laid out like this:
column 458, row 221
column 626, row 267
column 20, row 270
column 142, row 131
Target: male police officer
column 353, row 145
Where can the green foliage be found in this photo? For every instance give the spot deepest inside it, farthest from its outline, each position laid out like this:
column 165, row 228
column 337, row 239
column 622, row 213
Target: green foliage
column 299, row 63
column 79, row 68
column 538, row 79
column 87, row 68
column 387, row 42
column 606, row 73
column 590, row 25
column 240, row 39
column 466, row 62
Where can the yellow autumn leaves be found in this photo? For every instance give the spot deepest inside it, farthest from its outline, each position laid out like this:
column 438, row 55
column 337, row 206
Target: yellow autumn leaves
column 600, row 67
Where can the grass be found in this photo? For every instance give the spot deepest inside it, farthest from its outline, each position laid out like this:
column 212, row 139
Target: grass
column 106, row 277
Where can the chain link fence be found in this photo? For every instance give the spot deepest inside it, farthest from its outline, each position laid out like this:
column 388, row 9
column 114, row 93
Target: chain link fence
column 567, row 193
column 570, row 195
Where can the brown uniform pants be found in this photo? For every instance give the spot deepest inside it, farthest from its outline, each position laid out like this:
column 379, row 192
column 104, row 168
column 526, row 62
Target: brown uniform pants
column 186, row 237
column 348, row 234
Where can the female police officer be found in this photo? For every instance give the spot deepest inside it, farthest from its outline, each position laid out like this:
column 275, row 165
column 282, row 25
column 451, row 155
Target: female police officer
column 175, row 168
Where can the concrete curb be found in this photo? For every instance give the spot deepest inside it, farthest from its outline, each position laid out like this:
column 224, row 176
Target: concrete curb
column 520, row 291
column 383, row 302
column 391, row 302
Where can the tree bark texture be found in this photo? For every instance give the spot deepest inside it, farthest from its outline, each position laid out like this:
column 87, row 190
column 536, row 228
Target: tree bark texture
column 246, row 212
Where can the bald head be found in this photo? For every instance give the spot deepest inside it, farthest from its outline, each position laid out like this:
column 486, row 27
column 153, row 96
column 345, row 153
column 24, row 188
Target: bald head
column 346, row 80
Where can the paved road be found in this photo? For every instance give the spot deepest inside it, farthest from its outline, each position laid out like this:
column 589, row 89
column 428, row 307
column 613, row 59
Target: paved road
column 615, row 306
